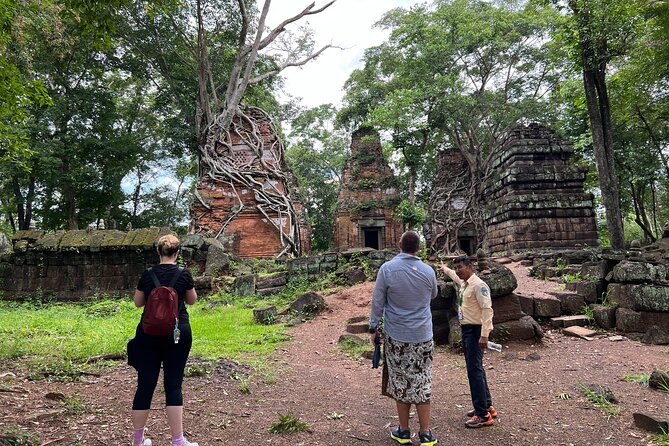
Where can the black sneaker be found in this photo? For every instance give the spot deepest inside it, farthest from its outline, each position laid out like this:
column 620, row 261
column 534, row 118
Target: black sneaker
column 427, row 439
column 401, row 436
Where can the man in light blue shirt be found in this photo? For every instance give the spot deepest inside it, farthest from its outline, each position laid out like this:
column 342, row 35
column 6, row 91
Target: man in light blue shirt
column 402, row 294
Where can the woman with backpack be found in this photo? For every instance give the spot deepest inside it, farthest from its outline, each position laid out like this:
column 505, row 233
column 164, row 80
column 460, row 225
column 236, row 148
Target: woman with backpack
column 163, row 336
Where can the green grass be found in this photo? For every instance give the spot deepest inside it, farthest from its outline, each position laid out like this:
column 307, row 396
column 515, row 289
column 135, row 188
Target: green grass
column 288, row 424
column 55, row 340
column 588, row 311
column 601, row 401
column 15, row 436
column 640, row 378
column 569, row 278
column 75, row 405
column 353, row 348
column 661, row 438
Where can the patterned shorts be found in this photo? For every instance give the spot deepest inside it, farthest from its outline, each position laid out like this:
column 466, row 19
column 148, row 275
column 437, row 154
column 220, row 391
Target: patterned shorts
column 407, row 371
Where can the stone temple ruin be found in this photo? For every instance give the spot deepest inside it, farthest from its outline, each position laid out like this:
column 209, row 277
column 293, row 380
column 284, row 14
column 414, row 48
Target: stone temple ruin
column 367, row 198
column 246, row 196
column 533, row 199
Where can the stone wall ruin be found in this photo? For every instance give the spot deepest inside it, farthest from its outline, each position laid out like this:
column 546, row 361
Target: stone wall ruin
column 69, row 265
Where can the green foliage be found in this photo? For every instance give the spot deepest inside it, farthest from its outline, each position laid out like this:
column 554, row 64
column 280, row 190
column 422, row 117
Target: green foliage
column 197, row 369
column 244, row 384
column 334, row 415
column 560, row 263
column 452, row 74
column 565, row 396
column 660, row 438
column 588, row 311
column 641, row 378
column 75, row 405
column 353, row 348
column 601, row 401
column 288, row 424
column 569, row 278
column 15, row 436
column 316, row 155
column 411, row 215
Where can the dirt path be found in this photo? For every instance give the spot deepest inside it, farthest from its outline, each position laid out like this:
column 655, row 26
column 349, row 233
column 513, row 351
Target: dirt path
column 314, row 380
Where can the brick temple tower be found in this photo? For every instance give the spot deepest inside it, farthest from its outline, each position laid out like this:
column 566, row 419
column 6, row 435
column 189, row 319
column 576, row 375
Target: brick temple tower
column 367, row 198
column 246, row 196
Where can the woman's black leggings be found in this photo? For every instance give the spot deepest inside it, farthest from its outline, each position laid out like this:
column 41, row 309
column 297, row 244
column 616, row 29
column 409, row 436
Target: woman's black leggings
column 157, row 350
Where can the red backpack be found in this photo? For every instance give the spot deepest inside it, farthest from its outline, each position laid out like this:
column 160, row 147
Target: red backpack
column 161, row 313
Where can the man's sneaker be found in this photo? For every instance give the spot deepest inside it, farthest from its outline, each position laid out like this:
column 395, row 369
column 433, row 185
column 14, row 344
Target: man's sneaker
column 401, row 436
column 188, row 443
column 427, row 439
column 146, row 442
column 491, row 411
column 477, row 421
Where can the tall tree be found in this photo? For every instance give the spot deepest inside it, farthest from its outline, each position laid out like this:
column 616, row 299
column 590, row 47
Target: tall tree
column 603, row 33
column 316, row 155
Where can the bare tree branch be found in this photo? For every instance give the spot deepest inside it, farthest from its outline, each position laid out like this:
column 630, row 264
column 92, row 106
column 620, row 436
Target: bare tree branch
column 287, row 64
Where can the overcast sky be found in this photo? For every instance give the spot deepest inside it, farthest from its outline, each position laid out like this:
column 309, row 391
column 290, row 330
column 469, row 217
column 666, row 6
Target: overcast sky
column 348, row 24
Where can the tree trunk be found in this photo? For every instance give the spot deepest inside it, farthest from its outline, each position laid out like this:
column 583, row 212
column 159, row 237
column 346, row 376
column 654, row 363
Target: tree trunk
column 70, row 201
column 18, row 196
column 641, row 217
column 599, row 111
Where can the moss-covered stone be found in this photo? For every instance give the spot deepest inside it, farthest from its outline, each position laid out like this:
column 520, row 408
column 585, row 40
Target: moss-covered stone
column 50, row 241
column 113, row 240
column 640, row 297
column 29, row 234
column 144, row 238
column 75, row 241
column 21, row 246
column 500, row 279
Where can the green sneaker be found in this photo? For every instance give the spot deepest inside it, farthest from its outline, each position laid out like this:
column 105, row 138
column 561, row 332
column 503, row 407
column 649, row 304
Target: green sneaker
column 401, row 436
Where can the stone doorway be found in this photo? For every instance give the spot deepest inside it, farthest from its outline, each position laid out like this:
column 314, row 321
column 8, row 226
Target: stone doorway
column 466, row 245
column 372, row 237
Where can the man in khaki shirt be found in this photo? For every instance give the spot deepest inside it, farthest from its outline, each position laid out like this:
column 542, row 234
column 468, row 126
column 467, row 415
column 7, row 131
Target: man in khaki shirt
column 475, row 316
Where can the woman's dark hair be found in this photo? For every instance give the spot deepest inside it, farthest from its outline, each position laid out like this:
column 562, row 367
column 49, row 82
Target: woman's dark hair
column 410, row 242
column 168, row 245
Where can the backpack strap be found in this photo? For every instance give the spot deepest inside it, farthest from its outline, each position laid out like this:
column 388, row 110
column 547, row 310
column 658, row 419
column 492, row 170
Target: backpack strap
column 176, row 277
column 156, row 282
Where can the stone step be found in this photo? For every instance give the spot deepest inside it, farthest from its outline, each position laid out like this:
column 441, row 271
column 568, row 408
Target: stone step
column 268, row 291
column 580, row 332
column 572, row 303
column 356, row 328
column 547, row 306
column 569, row 321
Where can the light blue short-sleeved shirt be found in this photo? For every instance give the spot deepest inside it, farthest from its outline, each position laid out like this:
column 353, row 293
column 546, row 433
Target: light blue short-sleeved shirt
column 402, row 294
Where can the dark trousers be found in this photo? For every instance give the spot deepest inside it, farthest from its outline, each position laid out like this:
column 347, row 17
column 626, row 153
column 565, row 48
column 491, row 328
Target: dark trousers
column 157, row 350
column 478, row 384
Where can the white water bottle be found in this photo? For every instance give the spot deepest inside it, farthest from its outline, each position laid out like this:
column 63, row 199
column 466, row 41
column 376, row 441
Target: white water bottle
column 494, row 346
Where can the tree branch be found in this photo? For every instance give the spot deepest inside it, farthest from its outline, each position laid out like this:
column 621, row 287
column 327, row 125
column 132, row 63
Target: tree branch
column 287, row 64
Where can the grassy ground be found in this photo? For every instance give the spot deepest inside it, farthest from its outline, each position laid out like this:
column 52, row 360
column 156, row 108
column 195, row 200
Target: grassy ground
column 56, row 339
